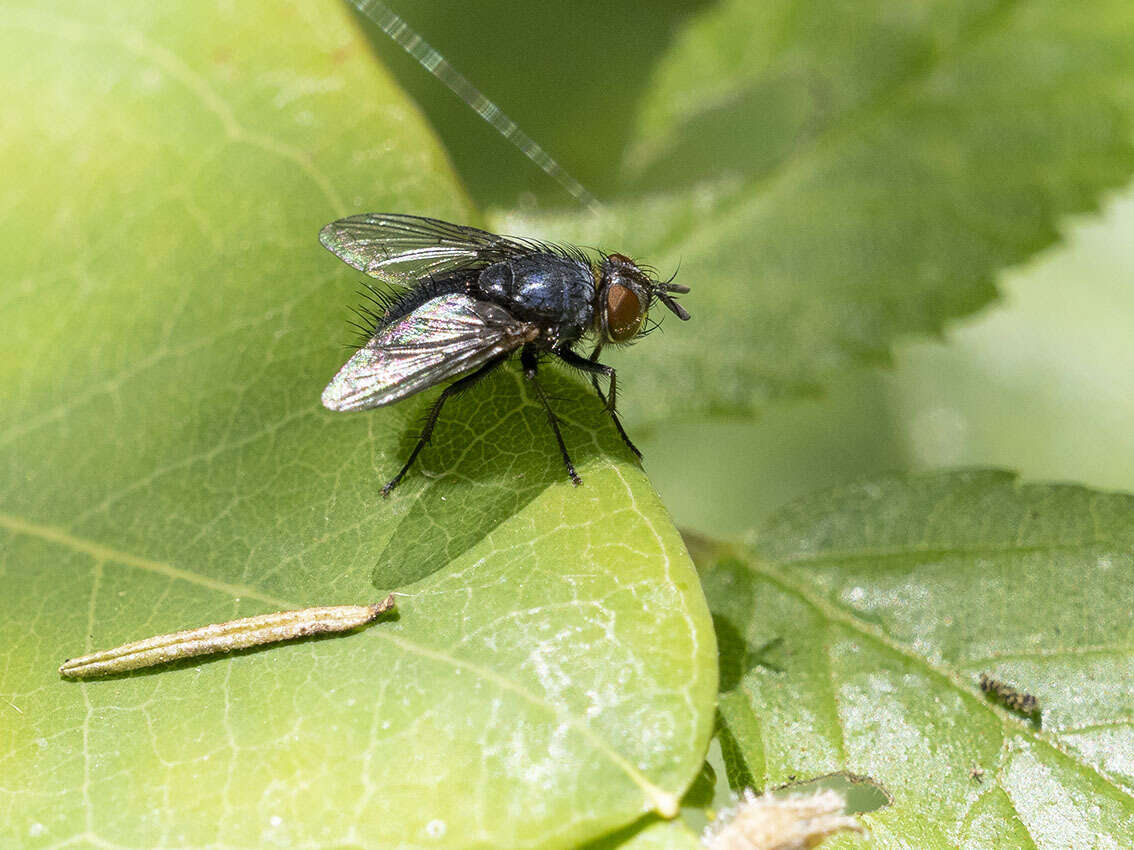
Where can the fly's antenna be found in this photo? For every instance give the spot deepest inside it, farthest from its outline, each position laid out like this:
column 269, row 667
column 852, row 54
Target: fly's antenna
column 662, row 289
column 436, row 64
column 671, row 302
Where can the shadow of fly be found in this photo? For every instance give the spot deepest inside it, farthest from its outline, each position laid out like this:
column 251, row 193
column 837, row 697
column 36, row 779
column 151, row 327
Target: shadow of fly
column 463, row 301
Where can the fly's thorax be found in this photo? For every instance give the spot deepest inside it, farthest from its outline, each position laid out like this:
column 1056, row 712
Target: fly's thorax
column 622, row 299
column 554, row 291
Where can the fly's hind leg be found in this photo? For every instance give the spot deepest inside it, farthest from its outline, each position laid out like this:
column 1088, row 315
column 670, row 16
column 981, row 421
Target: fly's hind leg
column 593, row 369
column 529, row 359
column 435, row 411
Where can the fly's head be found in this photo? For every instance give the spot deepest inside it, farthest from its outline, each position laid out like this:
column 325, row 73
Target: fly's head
column 623, row 298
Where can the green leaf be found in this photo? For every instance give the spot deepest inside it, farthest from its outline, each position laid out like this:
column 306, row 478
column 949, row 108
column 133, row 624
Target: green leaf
column 653, row 834
column 888, row 600
column 170, row 321
column 832, row 178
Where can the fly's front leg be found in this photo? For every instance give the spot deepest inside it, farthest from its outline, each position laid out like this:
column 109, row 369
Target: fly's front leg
column 529, row 359
column 593, row 370
column 593, row 373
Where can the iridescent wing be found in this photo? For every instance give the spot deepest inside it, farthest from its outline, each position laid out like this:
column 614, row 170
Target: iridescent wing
column 400, row 249
column 442, row 338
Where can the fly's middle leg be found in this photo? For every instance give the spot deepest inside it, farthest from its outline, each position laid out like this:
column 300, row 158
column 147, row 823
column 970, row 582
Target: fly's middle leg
column 529, row 359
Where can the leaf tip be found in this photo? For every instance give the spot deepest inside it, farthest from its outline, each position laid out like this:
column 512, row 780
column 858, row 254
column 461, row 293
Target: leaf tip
column 665, row 803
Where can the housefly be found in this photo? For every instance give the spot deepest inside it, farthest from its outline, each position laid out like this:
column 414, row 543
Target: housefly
column 466, row 300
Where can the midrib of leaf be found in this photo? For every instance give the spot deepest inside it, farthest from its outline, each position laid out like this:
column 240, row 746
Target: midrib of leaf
column 964, row 687
column 101, row 553
column 848, row 124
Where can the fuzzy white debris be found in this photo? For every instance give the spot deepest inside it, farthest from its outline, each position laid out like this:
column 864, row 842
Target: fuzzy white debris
column 779, row 823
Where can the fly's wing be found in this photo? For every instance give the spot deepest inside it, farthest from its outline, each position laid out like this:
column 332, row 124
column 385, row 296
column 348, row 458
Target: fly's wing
column 442, row 338
column 402, row 248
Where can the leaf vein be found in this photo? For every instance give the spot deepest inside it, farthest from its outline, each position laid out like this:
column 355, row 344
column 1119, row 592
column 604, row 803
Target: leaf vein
column 103, row 553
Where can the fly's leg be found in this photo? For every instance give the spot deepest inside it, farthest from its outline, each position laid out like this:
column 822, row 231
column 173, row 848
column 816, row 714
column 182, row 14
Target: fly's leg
column 611, row 403
column 529, row 359
column 593, row 369
column 589, row 366
column 435, row 411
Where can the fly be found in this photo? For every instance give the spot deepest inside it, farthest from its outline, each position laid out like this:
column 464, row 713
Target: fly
column 467, row 300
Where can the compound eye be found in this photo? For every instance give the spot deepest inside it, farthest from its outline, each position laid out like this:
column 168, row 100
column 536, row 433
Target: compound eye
column 624, row 313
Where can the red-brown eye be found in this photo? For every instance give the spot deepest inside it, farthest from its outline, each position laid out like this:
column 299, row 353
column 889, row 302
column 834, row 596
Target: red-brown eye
column 624, row 313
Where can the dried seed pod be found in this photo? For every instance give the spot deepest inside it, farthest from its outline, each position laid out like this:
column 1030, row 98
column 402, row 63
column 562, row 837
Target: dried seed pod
column 768, row 822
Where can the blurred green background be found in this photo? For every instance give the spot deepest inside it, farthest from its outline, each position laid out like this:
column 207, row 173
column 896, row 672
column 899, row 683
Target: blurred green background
column 1041, row 381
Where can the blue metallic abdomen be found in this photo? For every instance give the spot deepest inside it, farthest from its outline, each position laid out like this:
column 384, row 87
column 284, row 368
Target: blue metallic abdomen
column 553, row 291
